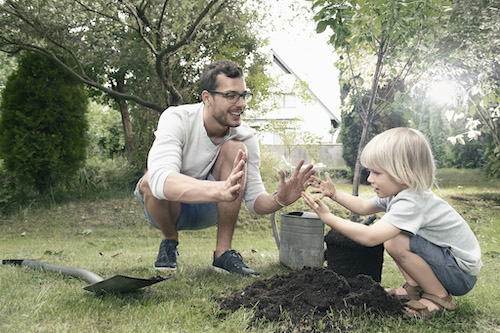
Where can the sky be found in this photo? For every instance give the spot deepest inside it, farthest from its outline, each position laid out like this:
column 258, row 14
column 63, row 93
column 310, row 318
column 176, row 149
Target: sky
column 306, row 52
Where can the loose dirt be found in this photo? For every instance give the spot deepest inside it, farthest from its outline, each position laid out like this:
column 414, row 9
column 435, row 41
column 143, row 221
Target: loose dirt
column 306, row 296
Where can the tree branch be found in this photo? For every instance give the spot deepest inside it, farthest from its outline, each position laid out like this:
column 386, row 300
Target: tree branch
column 160, row 21
column 90, row 82
column 190, row 32
column 173, row 48
column 115, row 19
column 141, row 29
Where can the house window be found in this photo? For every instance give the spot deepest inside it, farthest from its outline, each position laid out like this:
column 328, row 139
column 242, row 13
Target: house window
column 289, row 101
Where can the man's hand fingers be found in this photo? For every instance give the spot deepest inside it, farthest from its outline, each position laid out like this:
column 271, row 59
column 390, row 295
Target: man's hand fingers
column 238, row 167
column 297, row 168
column 236, row 178
column 240, row 156
column 310, row 173
column 235, row 188
column 282, row 178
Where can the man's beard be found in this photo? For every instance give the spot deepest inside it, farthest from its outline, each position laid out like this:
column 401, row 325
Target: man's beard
column 221, row 118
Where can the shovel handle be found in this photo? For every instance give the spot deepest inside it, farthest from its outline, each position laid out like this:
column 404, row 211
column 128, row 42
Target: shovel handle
column 84, row 274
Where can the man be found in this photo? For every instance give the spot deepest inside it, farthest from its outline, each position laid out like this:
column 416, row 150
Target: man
column 203, row 163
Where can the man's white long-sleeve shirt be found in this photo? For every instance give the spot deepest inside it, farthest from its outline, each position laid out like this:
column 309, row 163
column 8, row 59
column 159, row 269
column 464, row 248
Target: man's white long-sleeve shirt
column 182, row 145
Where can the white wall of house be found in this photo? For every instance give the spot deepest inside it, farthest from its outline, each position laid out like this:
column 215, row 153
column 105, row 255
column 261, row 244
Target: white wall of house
column 309, row 115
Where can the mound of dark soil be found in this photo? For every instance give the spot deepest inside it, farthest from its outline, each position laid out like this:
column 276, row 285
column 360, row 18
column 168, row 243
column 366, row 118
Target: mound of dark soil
column 309, row 294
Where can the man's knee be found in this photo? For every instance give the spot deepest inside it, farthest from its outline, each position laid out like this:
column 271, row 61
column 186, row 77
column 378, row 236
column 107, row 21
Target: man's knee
column 231, row 147
column 144, row 185
column 146, row 190
column 226, row 157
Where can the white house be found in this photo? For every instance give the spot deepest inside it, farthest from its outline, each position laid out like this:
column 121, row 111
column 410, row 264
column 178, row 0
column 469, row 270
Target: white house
column 309, row 115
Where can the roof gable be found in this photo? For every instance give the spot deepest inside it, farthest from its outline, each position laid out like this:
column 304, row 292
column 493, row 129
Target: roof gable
column 288, row 70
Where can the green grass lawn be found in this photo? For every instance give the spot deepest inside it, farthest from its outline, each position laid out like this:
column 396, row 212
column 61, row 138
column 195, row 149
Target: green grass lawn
column 111, row 237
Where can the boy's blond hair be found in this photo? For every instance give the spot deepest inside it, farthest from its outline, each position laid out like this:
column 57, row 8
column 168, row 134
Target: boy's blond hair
column 405, row 154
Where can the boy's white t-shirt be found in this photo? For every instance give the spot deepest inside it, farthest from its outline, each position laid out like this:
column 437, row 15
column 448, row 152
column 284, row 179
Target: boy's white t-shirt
column 182, row 145
column 435, row 220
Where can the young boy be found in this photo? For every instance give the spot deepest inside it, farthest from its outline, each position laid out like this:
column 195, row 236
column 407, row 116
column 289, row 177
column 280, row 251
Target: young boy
column 432, row 245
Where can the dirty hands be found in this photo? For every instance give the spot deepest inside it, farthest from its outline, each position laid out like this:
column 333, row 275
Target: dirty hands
column 326, row 187
column 289, row 191
column 234, row 183
column 316, row 205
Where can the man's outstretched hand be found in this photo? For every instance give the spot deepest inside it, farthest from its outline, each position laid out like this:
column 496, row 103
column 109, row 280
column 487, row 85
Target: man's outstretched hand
column 289, row 191
column 233, row 184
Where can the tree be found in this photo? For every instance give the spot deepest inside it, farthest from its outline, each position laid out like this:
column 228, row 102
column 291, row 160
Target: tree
column 42, row 125
column 389, row 37
column 7, row 65
column 470, row 51
column 146, row 52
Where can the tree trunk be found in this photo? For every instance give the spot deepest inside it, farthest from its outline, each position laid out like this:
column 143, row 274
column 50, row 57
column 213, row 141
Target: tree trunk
column 357, row 166
column 127, row 128
column 367, row 122
column 126, row 123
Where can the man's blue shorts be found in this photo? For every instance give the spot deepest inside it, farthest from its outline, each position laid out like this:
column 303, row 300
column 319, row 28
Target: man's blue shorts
column 443, row 264
column 192, row 217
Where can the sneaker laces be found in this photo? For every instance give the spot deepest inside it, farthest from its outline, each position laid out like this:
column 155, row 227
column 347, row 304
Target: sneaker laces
column 170, row 249
column 235, row 258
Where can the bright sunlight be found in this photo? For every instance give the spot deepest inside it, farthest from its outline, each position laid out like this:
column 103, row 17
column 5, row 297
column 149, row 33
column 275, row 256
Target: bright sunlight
column 443, row 92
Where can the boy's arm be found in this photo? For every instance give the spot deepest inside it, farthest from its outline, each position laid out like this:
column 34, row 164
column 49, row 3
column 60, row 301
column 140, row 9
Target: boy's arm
column 367, row 235
column 372, row 235
column 354, row 204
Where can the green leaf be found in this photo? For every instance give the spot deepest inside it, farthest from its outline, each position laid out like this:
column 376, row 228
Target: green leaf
column 321, row 27
column 485, row 101
column 472, row 110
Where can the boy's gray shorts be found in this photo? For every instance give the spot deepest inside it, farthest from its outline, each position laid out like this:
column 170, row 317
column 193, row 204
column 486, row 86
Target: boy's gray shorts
column 443, row 264
column 192, row 217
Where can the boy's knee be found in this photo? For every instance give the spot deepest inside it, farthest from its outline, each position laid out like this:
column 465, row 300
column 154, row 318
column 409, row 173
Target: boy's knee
column 389, row 246
column 397, row 244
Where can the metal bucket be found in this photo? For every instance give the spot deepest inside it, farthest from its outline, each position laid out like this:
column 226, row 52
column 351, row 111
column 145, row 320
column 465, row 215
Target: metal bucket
column 300, row 240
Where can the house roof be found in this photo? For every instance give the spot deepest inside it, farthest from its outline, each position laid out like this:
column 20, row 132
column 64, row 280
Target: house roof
column 288, row 70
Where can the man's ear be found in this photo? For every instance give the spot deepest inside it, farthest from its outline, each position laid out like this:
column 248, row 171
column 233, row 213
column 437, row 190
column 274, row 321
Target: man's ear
column 205, row 96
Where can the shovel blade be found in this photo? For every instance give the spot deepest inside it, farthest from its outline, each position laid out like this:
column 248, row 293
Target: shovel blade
column 122, row 284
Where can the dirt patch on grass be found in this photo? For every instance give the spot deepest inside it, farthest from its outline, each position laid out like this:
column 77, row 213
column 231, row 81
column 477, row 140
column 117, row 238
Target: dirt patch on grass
column 307, row 296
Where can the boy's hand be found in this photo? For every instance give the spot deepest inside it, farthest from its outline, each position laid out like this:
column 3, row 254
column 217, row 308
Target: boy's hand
column 316, row 205
column 326, row 188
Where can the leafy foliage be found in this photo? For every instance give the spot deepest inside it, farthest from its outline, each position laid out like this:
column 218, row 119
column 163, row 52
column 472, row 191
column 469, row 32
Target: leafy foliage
column 7, row 65
column 380, row 42
column 469, row 50
column 350, row 135
column 137, row 54
column 105, row 134
column 43, row 125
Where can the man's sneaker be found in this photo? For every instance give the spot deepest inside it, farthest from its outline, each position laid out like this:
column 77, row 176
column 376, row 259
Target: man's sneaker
column 232, row 262
column 167, row 256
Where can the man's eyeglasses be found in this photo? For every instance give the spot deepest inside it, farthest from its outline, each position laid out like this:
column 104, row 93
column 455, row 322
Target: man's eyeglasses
column 233, row 97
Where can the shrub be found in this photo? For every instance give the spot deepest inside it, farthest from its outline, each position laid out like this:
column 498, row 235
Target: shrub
column 42, row 125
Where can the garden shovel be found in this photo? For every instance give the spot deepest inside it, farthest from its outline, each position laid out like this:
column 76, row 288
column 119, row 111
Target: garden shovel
column 115, row 284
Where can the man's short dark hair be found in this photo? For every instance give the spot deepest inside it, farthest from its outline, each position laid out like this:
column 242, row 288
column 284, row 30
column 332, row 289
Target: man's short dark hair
column 208, row 78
